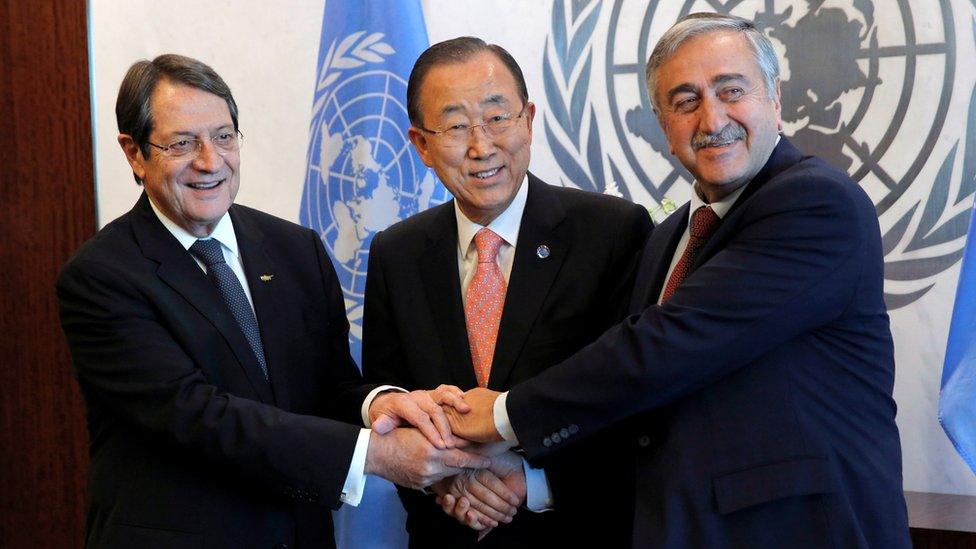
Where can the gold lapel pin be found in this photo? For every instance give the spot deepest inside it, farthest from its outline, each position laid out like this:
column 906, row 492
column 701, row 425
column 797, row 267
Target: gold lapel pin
column 266, row 278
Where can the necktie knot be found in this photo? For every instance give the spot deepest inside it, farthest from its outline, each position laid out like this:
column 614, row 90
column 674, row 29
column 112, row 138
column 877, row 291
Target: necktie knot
column 703, row 223
column 209, row 251
column 487, row 242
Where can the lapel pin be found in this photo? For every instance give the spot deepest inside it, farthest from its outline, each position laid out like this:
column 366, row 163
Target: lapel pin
column 542, row 251
column 266, row 278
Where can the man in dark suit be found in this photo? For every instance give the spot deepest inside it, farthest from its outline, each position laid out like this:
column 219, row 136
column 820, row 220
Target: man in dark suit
column 563, row 265
column 756, row 367
column 210, row 343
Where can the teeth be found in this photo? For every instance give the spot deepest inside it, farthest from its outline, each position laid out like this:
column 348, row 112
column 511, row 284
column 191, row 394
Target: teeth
column 486, row 174
column 205, row 186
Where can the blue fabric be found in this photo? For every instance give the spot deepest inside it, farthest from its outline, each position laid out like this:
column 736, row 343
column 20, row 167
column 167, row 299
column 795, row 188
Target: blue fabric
column 363, row 175
column 957, row 400
column 209, row 251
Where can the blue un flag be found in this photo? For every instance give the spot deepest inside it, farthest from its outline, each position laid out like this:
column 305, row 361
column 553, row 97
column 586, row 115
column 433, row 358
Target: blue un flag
column 957, row 400
column 362, row 176
column 362, row 172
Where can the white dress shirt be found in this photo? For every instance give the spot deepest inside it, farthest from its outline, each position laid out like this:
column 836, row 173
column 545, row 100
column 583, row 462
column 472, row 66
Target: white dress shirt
column 506, row 225
column 355, row 484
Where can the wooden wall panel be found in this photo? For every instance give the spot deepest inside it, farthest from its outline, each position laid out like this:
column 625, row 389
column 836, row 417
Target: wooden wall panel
column 47, row 209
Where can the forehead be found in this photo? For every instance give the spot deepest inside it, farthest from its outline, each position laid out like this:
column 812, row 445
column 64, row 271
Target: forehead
column 704, row 57
column 180, row 108
column 470, row 85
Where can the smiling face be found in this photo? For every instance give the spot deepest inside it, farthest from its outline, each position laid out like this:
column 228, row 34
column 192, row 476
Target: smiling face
column 483, row 173
column 718, row 116
column 196, row 190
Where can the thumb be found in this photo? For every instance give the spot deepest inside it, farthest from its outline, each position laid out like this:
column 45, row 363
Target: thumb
column 383, row 424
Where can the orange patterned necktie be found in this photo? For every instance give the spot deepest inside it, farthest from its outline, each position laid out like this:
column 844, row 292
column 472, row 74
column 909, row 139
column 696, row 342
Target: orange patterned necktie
column 483, row 304
column 703, row 224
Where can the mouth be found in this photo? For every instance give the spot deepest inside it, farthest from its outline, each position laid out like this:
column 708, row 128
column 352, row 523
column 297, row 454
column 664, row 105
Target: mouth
column 717, row 144
column 485, row 174
column 206, row 185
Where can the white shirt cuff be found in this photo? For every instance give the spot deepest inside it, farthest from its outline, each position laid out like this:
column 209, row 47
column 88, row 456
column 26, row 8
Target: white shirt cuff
column 355, row 485
column 364, row 411
column 538, row 494
column 502, row 424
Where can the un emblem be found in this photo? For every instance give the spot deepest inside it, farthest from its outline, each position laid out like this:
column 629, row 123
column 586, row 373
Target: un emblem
column 362, row 172
column 873, row 87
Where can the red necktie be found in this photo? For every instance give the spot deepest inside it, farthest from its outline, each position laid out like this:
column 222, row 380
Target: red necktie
column 483, row 304
column 703, row 224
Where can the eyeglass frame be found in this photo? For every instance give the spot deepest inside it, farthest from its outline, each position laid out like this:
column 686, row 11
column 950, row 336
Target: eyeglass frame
column 443, row 134
column 220, row 150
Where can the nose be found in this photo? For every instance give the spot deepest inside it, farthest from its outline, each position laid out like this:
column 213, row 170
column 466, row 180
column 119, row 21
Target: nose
column 208, row 159
column 712, row 116
column 481, row 144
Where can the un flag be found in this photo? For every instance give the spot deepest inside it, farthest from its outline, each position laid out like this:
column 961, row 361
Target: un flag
column 363, row 175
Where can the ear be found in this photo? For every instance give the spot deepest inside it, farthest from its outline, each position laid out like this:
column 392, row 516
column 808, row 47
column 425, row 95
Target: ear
column 779, row 107
column 134, row 155
column 530, row 115
column 422, row 144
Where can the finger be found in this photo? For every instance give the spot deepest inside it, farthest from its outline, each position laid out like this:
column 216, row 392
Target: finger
column 383, row 424
column 483, row 533
column 440, row 423
column 490, row 481
column 463, row 460
column 451, row 396
column 419, row 419
column 447, row 503
column 488, row 503
column 477, row 521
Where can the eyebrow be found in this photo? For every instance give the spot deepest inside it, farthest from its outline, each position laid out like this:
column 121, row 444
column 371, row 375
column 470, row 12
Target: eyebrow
column 717, row 80
column 496, row 99
column 187, row 133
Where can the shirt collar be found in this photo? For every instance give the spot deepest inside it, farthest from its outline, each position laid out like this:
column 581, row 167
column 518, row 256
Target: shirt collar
column 506, row 225
column 223, row 232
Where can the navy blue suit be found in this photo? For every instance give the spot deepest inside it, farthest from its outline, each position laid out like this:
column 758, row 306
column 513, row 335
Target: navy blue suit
column 759, row 394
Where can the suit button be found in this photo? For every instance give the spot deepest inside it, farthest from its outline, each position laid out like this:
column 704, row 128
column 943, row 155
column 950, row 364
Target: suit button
column 281, row 546
column 564, row 433
column 556, row 438
column 644, row 441
column 573, row 429
column 547, row 442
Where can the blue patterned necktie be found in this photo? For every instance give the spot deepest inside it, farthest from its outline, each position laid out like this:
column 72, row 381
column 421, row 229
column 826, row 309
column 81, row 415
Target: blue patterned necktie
column 210, row 252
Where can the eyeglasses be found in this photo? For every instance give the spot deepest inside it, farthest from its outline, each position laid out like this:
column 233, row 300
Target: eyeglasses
column 225, row 142
column 459, row 134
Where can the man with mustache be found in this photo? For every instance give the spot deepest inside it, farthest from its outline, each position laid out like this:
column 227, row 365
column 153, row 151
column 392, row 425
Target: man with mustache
column 756, row 368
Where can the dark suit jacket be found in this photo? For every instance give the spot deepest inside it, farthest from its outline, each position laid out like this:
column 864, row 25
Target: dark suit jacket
column 761, row 389
column 414, row 335
column 190, row 445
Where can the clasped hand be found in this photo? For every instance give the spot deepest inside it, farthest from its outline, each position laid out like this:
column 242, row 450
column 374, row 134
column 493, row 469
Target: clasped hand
column 479, row 484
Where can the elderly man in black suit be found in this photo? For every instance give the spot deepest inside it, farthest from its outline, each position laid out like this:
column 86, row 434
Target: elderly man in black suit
column 496, row 286
column 210, row 343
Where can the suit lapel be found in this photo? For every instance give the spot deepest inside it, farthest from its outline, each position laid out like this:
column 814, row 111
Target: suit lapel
column 439, row 269
column 531, row 278
column 181, row 273
column 656, row 259
column 265, row 294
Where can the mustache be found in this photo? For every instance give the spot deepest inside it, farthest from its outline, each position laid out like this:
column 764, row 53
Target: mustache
column 731, row 132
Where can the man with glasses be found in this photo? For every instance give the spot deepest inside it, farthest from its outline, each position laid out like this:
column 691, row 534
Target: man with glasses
column 494, row 287
column 210, row 343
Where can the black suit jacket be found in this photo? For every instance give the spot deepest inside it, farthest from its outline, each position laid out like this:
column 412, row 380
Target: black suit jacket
column 761, row 389
column 414, row 336
column 190, row 445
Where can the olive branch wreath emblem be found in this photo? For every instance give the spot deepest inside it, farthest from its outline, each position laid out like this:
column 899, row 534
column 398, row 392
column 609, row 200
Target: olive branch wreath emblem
column 567, row 59
column 352, row 52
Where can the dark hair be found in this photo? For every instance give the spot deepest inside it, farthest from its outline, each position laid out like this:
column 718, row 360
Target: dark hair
column 133, row 109
column 456, row 50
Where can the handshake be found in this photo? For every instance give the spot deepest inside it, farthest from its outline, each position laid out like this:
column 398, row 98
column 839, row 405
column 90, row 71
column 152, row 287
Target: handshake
column 446, row 439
